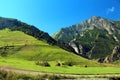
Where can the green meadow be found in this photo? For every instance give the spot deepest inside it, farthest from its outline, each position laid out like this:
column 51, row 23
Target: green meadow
column 30, row 65
column 22, row 51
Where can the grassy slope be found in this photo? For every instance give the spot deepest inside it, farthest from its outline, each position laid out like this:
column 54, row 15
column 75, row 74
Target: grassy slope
column 27, row 50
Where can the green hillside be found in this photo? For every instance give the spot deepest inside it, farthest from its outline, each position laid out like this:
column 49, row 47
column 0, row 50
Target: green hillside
column 16, row 44
column 21, row 51
column 16, row 25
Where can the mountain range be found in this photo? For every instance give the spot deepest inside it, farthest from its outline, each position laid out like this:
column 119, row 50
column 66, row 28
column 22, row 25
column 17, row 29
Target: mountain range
column 94, row 38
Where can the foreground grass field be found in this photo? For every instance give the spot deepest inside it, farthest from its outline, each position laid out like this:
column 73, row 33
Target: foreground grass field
column 30, row 65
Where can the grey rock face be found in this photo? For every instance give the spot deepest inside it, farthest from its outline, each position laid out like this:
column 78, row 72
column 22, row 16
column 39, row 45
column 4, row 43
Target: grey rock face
column 76, row 47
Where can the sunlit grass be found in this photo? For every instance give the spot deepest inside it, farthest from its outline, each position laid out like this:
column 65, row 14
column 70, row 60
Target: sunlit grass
column 30, row 65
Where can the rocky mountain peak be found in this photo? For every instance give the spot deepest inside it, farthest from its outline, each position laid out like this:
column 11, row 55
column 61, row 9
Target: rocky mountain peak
column 100, row 23
column 95, row 18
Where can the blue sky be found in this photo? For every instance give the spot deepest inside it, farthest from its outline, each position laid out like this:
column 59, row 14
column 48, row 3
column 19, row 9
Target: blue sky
column 52, row 15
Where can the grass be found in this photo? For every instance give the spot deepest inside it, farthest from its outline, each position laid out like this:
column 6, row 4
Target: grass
column 30, row 65
column 6, row 75
column 116, row 62
column 27, row 50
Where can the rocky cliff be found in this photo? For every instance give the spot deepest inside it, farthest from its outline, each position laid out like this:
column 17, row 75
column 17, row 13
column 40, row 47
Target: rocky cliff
column 114, row 56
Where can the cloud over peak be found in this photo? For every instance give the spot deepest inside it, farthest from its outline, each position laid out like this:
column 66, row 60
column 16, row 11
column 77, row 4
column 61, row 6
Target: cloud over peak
column 110, row 10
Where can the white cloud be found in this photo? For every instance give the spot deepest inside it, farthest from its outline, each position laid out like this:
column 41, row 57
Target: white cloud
column 110, row 10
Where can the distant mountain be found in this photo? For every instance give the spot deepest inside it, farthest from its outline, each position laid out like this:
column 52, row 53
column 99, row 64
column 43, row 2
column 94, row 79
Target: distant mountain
column 93, row 38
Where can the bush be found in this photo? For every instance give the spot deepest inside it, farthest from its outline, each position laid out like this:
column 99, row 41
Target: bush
column 58, row 64
column 43, row 63
column 68, row 63
column 85, row 66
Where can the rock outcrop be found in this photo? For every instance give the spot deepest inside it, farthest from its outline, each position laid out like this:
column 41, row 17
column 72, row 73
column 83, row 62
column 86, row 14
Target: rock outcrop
column 114, row 56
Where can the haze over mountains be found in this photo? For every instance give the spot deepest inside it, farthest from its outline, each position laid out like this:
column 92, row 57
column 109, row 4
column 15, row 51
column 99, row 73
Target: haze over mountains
column 94, row 38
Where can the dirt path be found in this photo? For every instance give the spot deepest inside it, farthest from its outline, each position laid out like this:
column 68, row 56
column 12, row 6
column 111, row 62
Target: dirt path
column 21, row 71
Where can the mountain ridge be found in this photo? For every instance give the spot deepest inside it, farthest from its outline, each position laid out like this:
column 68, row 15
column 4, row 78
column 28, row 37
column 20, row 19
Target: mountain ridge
column 88, row 24
column 16, row 25
column 94, row 38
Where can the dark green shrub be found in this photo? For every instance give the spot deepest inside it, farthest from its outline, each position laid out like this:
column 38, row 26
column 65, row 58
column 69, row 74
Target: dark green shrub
column 58, row 64
column 68, row 63
column 85, row 66
column 43, row 63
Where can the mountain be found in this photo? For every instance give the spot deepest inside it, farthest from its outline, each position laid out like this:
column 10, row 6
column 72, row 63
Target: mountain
column 14, row 24
column 93, row 38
